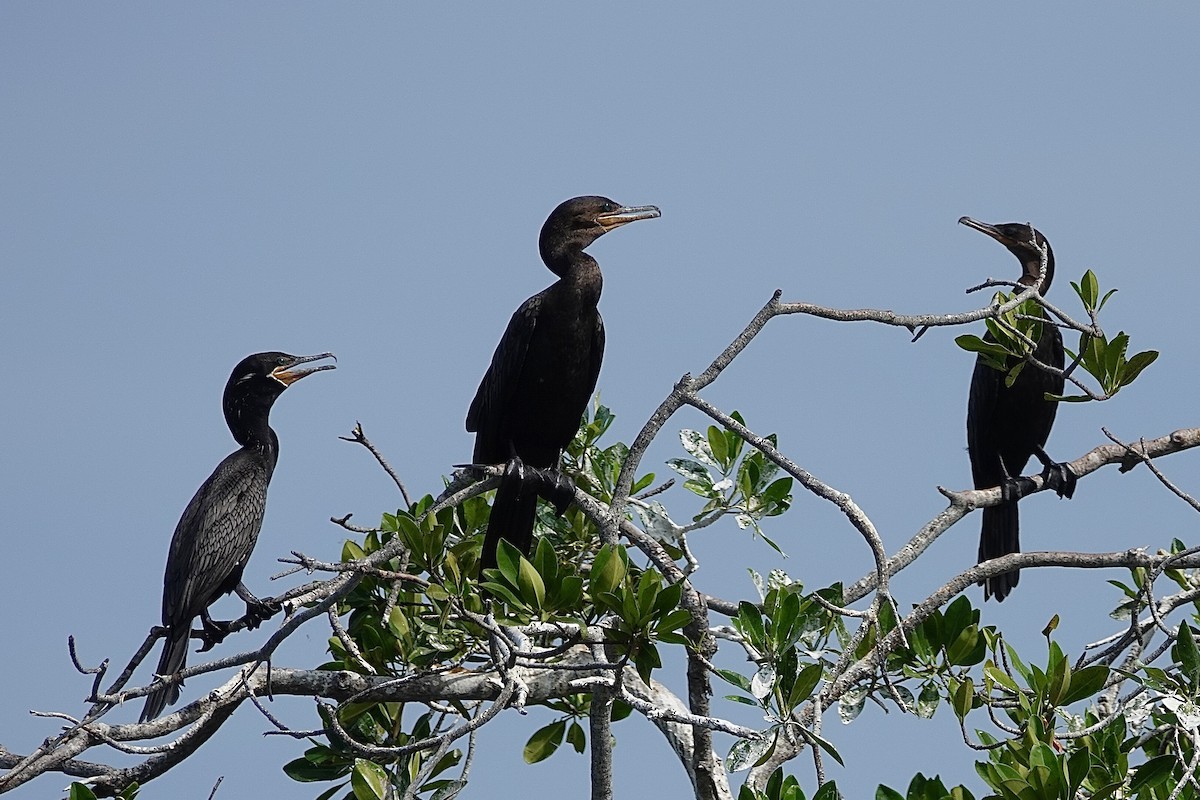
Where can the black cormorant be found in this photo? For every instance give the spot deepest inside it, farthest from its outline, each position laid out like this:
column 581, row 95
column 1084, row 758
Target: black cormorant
column 218, row 529
column 1008, row 424
column 544, row 370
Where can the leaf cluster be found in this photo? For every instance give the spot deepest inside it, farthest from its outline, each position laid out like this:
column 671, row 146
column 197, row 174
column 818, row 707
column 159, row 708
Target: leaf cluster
column 1011, row 338
column 730, row 480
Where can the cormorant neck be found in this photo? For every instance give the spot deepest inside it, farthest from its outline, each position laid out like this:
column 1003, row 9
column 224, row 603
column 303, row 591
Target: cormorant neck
column 247, row 418
column 564, row 254
column 567, row 257
column 1033, row 268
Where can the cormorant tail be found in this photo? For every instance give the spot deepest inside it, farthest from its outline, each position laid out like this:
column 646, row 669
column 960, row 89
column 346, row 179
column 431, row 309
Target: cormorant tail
column 513, row 514
column 1001, row 535
column 174, row 658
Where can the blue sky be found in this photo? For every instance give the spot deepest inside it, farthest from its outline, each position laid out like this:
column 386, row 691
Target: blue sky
column 185, row 184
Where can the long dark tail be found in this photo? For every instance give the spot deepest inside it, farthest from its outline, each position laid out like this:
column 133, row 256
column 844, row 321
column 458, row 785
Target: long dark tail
column 174, row 658
column 1000, row 536
column 513, row 513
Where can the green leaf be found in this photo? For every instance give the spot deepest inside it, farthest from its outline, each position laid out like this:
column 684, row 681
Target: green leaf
column 1135, row 365
column 718, row 445
column 1088, row 289
column 967, row 649
column 533, row 590
column 451, row 789
column 824, row 744
column 1186, row 655
column 996, row 354
column 499, row 589
column 368, row 780
column 927, row 701
column 608, row 570
column 828, row 791
column 646, row 661
column 736, row 678
column 806, row 681
column 544, row 742
column 80, row 791
column 1154, row 772
column 648, row 587
column 576, row 737
column 545, row 561
column 668, row 598
column 1085, row 682
column 305, row 770
column 884, row 793
column 677, row 619
column 1104, row 299
column 750, row 624
column 1013, row 374
column 569, row 592
column 963, row 698
column 508, row 560
column 957, row 617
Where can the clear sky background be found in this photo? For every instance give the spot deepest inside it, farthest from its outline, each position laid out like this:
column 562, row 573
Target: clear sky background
column 181, row 185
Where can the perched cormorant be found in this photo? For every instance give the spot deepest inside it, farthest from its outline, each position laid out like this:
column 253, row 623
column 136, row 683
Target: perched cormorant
column 218, row 529
column 544, row 370
column 1008, row 424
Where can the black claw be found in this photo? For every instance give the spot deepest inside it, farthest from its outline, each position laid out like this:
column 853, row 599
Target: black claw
column 515, row 469
column 1010, row 490
column 557, row 489
column 1060, row 478
column 260, row 611
column 213, row 632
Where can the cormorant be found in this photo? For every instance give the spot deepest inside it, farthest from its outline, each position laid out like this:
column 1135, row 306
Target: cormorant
column 219, row 527
column 542, row 375
column 1008, row 424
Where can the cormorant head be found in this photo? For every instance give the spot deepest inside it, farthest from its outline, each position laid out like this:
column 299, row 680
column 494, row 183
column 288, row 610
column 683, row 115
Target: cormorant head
column 1020, row 238
column 255, row 383
column 578, row 222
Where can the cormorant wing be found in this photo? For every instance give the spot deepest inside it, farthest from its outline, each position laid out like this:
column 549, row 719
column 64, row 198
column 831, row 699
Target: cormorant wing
column 597, row 352
column 215, row 535
column 492, row 404
column 981, row 408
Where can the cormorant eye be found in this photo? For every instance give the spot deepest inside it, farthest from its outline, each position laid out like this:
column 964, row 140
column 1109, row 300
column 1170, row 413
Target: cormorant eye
column 609, row 208
column 281, row 361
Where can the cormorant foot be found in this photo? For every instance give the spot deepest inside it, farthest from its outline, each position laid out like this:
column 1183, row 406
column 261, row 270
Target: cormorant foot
column 1010, row 490
column 1060, row 478
column 259, row 611
column 1057, row 475
column 515, row 469
column 557, row 489
column 213, row 632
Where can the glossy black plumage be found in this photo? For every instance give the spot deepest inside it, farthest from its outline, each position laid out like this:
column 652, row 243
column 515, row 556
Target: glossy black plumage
column 1006, row 425
column 219, row 528
column 544, row 370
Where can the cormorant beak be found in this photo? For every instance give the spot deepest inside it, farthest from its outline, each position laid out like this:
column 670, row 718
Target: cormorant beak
column 989, row 230
column 288, row 374
column 625, row 215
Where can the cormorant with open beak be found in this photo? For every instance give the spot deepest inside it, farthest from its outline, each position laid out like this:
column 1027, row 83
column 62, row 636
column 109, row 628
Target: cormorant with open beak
column 219, row 527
